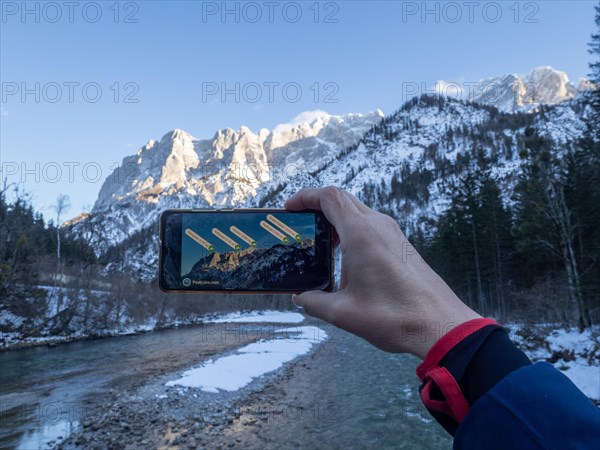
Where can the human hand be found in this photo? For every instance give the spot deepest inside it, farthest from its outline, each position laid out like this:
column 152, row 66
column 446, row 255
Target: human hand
column 388, row 295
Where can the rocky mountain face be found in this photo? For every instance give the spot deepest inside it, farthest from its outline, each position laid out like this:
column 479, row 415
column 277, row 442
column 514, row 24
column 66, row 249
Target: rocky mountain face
column 511, row 92
column 400, row 164
column 259, row 268
column 229, row 170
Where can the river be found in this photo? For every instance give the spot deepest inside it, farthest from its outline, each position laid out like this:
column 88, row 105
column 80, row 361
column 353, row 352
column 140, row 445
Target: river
column 111, row 393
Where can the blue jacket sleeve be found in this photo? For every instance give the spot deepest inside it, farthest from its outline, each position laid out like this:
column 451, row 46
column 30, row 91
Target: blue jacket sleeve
column 533, row 407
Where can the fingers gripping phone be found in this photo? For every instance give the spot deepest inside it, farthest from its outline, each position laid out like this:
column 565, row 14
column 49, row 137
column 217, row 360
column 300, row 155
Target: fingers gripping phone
column 245, row 250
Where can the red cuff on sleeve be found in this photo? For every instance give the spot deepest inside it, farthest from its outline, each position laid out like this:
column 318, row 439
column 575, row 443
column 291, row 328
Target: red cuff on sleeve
column 431, row 374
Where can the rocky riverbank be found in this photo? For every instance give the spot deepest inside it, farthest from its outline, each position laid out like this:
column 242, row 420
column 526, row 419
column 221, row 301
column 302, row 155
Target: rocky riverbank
column 343, row 394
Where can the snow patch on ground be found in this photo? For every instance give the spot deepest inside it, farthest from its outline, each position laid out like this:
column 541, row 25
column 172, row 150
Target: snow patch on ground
column 235, row 371
column 575, row 354
column 584, row 376
column 584, row 370
column 9, row 319
column 573, row 340
column 258, row 316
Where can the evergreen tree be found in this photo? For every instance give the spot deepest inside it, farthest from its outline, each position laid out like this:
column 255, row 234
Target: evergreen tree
column 545, row 222
column 583, row 186
column 473, row 240
column 22, row 240
column 28, row 257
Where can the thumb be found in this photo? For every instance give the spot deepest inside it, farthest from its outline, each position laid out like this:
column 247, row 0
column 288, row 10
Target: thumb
column 319, row 304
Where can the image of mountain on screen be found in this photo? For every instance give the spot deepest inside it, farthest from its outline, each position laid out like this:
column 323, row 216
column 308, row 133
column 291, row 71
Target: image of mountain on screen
column 257, row 268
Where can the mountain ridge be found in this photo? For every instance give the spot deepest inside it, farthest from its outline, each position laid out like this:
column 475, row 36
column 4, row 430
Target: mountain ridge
column 398, row 164
column 517, row 92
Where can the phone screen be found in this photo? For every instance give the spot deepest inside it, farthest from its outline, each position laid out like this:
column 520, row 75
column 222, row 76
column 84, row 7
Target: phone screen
column 245, row 250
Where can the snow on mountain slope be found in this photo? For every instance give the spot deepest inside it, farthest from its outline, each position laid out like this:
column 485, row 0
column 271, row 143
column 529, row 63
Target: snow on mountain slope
column 404, row 165
column 180, row 171
column 180, row 163
column 400, row 164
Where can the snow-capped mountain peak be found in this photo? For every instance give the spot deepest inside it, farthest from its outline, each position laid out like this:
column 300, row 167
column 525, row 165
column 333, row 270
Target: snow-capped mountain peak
column 228, row 169
column 550, row 86
column 513, row 92
column 398, row 164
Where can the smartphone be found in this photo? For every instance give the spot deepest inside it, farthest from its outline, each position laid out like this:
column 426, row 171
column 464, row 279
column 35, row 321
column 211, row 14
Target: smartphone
column 245, row 251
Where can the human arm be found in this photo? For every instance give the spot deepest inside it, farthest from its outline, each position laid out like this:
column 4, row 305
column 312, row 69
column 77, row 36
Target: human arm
column 476, row 383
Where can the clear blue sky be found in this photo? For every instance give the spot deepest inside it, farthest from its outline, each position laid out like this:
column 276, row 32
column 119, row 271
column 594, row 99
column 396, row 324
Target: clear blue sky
column 177, row 46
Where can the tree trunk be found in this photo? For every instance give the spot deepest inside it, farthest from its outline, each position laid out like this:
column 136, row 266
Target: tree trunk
column 562, row 217
column 477, row 270
column 498, row 267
